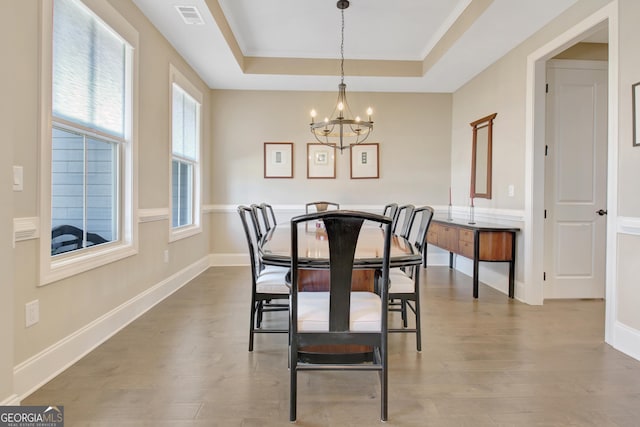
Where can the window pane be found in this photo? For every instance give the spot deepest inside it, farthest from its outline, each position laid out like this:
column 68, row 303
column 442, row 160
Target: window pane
column 67, row 179
column 178, row 121
column 182, row 194
column 190, row 128
column 88, row 70
column 84, row 191
column 101, row 191
column 185, row 124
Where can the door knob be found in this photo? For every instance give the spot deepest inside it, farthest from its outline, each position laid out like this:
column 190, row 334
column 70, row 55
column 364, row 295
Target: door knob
column 601, row 212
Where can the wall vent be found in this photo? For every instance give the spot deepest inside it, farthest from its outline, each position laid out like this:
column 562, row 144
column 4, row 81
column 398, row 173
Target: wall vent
column 190, row 15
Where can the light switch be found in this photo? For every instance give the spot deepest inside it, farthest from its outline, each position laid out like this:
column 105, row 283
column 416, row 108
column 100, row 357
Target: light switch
column 17, row 178
column 511, row 190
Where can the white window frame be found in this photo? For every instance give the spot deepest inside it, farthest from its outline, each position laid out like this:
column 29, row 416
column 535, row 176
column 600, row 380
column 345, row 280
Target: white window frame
column 177, row 233
column 52, row 268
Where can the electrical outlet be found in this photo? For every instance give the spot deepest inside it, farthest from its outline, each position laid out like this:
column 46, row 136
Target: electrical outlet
column 166, row 255
column 32, row 313
column 511, row 190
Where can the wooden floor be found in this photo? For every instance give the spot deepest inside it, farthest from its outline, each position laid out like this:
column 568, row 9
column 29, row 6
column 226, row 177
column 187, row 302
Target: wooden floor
column 489, row 362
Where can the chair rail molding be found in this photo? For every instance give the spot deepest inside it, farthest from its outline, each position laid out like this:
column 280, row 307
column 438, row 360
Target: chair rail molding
column 26, row 228
column 153, row 214
column 629, row 225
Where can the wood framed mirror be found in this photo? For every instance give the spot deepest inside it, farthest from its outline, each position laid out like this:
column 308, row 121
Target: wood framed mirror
column 481, row 157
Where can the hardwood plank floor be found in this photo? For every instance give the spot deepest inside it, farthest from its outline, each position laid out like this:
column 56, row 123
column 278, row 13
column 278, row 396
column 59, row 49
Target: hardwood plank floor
column 486, row 362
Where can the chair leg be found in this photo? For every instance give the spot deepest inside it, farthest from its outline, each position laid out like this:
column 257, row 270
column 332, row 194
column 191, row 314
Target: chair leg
column 405, row 323
column 383, row 387
column 252, row 316
column 418, row 322
column 293, row 386
column 260, row 310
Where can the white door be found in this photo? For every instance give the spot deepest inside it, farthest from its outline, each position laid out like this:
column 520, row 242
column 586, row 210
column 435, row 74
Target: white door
column 575, row 179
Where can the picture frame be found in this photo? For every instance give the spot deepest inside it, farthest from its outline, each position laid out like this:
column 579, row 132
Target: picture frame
column 321, row 161
column 365, row 161
column 278, row 159
column 635, row 94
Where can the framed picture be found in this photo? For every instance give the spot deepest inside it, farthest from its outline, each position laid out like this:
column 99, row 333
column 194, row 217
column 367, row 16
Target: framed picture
column 321, row 161
column 278, row 159
column 635, row 91
column 364, row 161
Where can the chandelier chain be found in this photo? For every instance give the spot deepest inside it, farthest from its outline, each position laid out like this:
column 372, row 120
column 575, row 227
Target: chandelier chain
column 342, row 50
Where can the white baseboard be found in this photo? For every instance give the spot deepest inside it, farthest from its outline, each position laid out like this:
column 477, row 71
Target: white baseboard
column 228, row 260
column 627, row 340
column 42, row 367
column 11, row 401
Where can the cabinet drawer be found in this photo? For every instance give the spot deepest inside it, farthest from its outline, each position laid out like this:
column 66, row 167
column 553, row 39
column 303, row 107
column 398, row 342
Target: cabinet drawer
column 466, row 235
column 448, row 238
column 465, row 249
column 432, row 237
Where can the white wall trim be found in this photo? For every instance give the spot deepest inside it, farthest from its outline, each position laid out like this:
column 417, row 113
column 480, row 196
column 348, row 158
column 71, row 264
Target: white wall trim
column 627, row 340
column 207, row 209
column 629, row 225
column 228, row 260
column 42, row 367
column 26, row 228
column 154, row 214
column 11, row 401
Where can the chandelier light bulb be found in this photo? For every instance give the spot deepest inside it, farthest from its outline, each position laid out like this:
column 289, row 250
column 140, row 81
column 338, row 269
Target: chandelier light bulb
column 369, row 112
column 313, row 114
column 358, row 119
column 340, row 106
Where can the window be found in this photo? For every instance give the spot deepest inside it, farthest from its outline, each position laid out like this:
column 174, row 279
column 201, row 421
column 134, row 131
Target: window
column 185, row 166
column 87, row 161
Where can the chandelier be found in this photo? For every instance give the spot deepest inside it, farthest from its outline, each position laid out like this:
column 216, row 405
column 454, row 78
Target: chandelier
column 342, row 131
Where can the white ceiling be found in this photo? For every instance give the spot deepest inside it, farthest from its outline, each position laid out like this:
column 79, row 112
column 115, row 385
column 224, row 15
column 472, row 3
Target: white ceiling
column 399, row 30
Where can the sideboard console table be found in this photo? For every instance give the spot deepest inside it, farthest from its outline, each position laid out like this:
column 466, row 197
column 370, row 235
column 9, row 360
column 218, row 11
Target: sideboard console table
column 479, row 242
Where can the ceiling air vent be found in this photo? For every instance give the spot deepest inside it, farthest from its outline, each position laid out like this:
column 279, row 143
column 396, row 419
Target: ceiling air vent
column 190, row 15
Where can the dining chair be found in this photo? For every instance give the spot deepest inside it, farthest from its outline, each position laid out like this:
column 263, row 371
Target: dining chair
column 261, row 220
column 404, row 212
column 269, row 215
column 404, row 283
column 390, row 210
column 65, row 238
column 320, row 206
column 340, row 316
column 268, row 283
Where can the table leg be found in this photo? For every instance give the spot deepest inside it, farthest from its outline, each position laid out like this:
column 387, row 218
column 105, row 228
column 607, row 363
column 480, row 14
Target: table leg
column 475, row 277
column 450, row 259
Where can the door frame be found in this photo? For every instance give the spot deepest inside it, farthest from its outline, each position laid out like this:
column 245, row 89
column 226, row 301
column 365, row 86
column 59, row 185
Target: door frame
column 534, row 157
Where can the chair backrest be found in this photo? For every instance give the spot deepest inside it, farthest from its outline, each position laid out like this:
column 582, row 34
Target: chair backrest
column 247, row 215
column 405, row 212
column 426, row 214
column 343, row 229
column 269, row 215
column 260, row 220
column 65, row 238
column 321, row 206
column 390, row 210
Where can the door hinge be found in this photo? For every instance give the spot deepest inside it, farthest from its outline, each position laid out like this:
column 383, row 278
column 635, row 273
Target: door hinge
column 545, row 214
column 546, row 88
column 544, row 275
column 546, row 150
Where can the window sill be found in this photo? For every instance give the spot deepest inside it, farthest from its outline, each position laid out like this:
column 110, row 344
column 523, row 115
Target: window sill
column 184, row 232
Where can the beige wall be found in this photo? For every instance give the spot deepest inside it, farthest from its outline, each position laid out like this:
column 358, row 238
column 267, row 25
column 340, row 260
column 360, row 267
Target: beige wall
column 413, row 131
column 10, row 16
column 586, row 51
column 69, row 305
